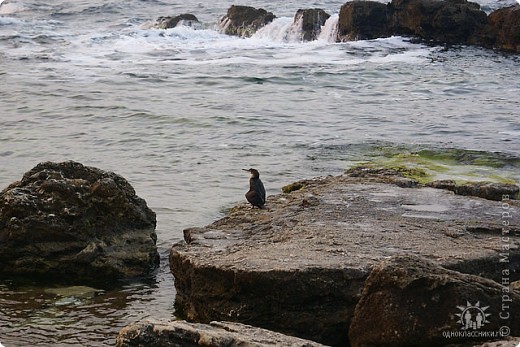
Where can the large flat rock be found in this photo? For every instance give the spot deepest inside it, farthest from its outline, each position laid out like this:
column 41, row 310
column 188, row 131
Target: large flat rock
column 299, row 266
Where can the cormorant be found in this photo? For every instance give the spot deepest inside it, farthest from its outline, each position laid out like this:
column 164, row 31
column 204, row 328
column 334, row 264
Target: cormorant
column 256, row 193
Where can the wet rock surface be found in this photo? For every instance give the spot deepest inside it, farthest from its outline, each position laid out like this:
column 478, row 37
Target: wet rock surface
column 74, row 223
column 310, row 22
column 486, row 190
column 438, row 21
column 409, row 178
column 244, row 21
column 363, row 20
column 299, row 267
column 447, row 21
column 215, row 334
column 410, row 301
column 503, row 30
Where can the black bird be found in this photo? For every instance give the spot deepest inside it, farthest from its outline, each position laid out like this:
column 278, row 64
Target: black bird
column 256, row 193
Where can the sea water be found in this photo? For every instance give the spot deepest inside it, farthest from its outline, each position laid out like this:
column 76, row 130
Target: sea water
column 179, row 113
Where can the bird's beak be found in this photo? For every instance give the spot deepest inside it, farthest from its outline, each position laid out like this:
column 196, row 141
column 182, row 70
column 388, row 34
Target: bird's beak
column 245, row 170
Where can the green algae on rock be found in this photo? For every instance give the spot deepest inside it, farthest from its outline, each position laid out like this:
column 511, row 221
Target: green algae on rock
column 426, row 165
column 293, row 187
column 412, row 177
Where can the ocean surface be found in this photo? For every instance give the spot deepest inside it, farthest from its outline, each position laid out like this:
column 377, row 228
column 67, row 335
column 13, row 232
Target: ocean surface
column 180, row 112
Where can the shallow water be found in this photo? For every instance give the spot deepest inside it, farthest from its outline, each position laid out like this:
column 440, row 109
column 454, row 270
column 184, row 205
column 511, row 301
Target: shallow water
column 179, row 112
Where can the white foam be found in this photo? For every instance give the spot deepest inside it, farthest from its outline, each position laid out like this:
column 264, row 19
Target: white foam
column 512, row 133
column 276, row 31
column 270, row 46
column 295, row 33
column 284, row 29
column 329, row 31
column 9, row 21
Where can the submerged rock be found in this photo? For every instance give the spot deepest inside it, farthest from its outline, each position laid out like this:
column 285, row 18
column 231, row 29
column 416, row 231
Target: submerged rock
column 309, row 22
column 216, row 334
column 300, row 267
column 408, row 301
column 70, row 222
column 244, row 21
column 171, row 22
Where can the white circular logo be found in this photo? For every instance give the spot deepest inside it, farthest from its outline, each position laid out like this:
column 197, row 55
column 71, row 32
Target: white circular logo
column 472, row 317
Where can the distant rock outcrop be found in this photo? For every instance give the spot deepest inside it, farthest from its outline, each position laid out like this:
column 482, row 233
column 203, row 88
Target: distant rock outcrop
column 74, row 223
column 363, row 20
column 215, row 334
column 436, row 21
column 452, row 22
column 171, row 22
column 503, row 30
column 309, row 22
column 446, row 21
column 244, row 21
column 408, row 301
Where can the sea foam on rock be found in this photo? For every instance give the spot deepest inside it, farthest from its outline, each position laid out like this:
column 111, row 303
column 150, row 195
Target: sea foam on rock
column 452, row 22
column 70, row 222
column 244, row 21
column 309, row 22
column 300, row 266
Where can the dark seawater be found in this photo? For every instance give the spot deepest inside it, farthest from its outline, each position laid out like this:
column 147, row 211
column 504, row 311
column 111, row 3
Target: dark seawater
column 180, row 112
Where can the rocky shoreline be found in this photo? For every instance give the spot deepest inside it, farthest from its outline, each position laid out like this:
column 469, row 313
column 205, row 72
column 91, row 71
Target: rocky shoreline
column 371, row 257
column 303, row 266
column 439, row 22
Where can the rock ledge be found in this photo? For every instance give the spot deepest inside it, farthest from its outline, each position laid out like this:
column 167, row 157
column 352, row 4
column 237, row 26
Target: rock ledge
column 215, row 334
column 299, row 267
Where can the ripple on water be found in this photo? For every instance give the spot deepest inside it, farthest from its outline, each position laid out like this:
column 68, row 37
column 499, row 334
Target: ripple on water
column 76, row 315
